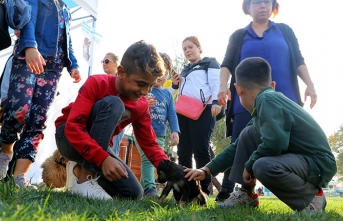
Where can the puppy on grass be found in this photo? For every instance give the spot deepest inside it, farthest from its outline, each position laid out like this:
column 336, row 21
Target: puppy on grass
column 184, row 191
column 54, row 173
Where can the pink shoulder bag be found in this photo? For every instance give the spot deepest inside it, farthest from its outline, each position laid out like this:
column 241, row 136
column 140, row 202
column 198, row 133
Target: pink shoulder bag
column 190, row 107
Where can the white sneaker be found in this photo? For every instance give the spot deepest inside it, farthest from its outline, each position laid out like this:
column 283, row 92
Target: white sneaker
column 90, row 189
column 240, row 198
column 4, row 161
column 71, row 178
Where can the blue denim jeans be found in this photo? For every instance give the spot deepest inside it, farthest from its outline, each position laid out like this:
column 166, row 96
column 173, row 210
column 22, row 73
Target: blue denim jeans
column 105, row 116
column 116, row 142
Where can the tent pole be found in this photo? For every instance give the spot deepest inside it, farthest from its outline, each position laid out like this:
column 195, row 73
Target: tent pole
column 93, row 27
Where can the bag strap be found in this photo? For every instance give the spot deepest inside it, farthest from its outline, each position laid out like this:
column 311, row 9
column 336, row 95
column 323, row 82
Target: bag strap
column 208, row 100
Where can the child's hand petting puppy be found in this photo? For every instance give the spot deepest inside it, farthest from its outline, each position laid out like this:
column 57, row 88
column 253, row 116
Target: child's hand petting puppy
column 194, row 174
column 113, row 169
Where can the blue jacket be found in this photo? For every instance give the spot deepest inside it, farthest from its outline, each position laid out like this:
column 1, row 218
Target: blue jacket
column 41, row 32
column 18, row 13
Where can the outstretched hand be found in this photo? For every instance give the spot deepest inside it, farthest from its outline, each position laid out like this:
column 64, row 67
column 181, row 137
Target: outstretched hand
column 113, row 169
column 194, row 174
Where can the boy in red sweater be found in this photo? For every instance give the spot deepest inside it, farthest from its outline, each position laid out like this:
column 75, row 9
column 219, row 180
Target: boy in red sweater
column 104, row 106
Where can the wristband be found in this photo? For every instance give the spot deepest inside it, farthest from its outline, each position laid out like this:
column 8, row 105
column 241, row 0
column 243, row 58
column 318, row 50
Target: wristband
column 203, row 169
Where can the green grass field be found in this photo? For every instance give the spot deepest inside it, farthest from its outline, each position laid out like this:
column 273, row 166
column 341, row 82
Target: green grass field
column 21, row 204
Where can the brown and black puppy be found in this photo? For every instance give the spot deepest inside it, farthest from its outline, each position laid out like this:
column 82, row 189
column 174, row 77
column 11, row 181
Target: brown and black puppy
column 184, row 191
column 54, row 173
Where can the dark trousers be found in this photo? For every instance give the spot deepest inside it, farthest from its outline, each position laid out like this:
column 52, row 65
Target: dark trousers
column 240, row 121
column 195, row 139
column 286, row 175
column 105, row 116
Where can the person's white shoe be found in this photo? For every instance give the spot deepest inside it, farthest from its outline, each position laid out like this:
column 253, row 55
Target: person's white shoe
column 90, row 189
column 240, row 198
column 4, row 161
column 71, row 178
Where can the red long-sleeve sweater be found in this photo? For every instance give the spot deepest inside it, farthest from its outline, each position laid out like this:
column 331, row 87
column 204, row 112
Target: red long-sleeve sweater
column 76, row 115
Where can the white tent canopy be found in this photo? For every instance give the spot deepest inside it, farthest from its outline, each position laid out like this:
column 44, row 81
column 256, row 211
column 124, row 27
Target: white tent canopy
column 91, row 6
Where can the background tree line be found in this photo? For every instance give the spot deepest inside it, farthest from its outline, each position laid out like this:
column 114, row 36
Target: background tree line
column 336, row 144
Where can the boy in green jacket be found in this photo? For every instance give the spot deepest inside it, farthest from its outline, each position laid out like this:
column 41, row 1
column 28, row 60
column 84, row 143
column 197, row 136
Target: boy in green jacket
column 283, row 147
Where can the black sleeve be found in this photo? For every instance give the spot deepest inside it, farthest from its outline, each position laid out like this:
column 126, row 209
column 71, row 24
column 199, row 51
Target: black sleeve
column 293, row 41
column 231, row 50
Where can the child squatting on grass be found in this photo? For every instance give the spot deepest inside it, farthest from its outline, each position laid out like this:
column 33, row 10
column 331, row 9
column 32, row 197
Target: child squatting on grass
column 282, row 146
column 104, row 106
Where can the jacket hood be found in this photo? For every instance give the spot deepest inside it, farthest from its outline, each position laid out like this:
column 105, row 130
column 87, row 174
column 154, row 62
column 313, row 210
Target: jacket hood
column 205, row 60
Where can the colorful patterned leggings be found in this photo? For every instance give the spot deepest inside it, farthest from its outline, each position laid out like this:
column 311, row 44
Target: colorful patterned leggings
column 28, row 101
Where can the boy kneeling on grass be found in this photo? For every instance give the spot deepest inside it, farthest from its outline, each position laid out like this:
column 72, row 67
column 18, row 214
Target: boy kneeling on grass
column 282, row 146
column 104, row 106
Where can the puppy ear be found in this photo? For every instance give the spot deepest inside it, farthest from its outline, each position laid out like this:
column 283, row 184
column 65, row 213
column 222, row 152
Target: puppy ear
column 57, row 154
column 165, row 162
column 162, row 165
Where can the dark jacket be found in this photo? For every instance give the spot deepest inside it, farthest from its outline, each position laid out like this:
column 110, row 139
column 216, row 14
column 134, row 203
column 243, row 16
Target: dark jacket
column 232, row 59
column 295, row 132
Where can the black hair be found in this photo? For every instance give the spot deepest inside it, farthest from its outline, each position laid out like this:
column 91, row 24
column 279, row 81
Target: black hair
column 254, row 72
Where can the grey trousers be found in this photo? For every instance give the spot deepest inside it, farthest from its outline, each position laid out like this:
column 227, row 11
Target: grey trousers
column 286, row 175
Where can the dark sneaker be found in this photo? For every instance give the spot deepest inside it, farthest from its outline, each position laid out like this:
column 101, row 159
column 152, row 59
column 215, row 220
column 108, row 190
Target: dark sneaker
column 240, row 198
column 222, row 195
column 151, row 193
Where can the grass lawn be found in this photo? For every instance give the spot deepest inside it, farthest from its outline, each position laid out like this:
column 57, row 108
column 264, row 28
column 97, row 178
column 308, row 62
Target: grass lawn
column 21, row 204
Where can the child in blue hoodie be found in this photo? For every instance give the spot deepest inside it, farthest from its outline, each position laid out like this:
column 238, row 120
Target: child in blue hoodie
column 162, row 110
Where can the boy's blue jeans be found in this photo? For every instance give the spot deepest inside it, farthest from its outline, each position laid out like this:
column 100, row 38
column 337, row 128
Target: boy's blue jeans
column 105, row 116
column 116, row 142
